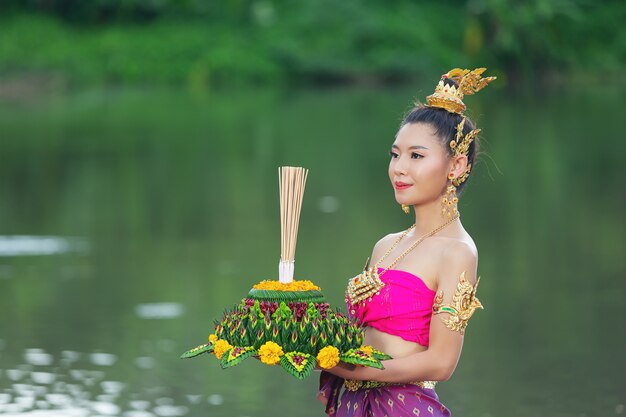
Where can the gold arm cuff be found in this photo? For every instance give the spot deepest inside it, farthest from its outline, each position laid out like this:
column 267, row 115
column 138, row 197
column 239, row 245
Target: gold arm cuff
column 464, row 303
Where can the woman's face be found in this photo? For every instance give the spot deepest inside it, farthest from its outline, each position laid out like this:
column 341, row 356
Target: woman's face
column 419, row 165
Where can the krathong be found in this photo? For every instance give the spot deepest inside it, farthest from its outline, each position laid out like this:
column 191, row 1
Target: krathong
column 287, row 322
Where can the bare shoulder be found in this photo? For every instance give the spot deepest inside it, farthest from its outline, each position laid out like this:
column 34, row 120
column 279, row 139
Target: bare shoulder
column 459, row 256
column 383, row 245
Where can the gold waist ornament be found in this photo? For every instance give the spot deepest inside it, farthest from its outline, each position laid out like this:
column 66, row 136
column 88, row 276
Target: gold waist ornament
column 368, row 283
column 355, row 384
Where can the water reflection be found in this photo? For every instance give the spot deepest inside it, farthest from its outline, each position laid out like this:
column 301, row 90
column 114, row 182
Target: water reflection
column 80, row 392
column 145, row 362
column 176, row 200
column 37, row 357
column 103, row 359
column 328, row 204
column 41, row 245
column 159, row 310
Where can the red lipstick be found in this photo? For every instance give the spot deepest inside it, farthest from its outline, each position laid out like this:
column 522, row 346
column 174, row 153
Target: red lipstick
column 399, row 185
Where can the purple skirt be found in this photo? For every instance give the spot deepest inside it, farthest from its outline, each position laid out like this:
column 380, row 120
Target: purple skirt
column 386, row 401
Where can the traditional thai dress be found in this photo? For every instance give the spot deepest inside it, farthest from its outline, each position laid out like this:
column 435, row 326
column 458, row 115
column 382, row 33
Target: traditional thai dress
column 402, row 308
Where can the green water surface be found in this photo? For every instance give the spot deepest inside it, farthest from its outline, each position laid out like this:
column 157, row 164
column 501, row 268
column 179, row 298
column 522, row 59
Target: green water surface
column 160, row 196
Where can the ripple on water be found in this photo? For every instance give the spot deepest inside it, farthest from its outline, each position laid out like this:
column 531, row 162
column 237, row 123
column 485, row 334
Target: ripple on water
column 38, row 357
column 41, row 245
column 170, row 410
column 66, row 412
column 25, row 402
column 140, row 405
column 145, row 362
column 328, row 204
column 166, row 345
column 105, row 408
column 41, row 404
column 194, row 399
column 106, row 398
column 103, row 359
column 43, row 377
column 78, row 392
column 136, row 413
column 215, row 399
column 112, row 387
column 24, row 389
column 59, row 400
column 70, row 355
column 15, row 374
column 159, row 310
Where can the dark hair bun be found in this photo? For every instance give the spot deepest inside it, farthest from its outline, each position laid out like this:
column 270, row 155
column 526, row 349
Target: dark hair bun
column 450, row 81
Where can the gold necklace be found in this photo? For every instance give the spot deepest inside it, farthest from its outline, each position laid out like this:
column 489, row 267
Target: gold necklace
column 368, row 283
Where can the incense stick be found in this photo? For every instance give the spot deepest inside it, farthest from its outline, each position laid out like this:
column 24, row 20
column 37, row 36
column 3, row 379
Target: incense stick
column 292, row 181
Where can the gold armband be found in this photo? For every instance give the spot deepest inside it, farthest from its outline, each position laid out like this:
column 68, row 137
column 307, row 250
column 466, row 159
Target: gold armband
column 464, row 303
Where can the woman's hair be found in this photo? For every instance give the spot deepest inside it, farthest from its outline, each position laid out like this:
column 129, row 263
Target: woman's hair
column 445, row 124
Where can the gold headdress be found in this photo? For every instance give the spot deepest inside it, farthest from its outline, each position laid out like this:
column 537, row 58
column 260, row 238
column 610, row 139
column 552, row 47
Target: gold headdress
column 450, row 97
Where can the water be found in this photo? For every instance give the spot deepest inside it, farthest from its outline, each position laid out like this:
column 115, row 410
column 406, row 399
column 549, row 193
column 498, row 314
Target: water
column 130, row 219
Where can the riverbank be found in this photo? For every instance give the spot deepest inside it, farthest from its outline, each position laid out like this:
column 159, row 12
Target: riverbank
column 347, row 46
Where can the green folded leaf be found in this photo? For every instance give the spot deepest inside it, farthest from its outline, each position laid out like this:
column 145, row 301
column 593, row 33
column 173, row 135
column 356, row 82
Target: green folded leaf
column 381, row 356
column 198, row 350
column 236, row 355
column 273, row 295
column 298, row 364
column 358, row 357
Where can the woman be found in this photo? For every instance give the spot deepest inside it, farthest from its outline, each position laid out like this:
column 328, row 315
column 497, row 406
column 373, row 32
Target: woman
column 416, row 300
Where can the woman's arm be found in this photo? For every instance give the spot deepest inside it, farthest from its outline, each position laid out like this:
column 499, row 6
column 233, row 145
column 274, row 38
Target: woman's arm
column 438, row 362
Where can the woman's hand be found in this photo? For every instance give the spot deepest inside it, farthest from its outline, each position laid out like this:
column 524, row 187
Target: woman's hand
column 346, row 370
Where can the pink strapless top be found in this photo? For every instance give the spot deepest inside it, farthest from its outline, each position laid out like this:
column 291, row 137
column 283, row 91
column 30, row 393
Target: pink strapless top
column 403, row 307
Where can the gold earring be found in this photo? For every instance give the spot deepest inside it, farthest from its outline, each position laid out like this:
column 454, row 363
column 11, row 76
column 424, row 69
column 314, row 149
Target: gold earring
column 406, row 209
column 450, row 200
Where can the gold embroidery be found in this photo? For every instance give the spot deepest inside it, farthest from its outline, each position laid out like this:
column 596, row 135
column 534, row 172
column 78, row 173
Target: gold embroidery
column 352, row 384
column 355, row 384
column 364, row 286
column 464, row 303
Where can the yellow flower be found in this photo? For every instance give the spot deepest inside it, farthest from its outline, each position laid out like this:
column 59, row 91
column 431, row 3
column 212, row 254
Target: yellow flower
column 328, row 357
column 304, row 285
column 221, row 346
column 368, row 350
column 270, row 353
column 213, row 338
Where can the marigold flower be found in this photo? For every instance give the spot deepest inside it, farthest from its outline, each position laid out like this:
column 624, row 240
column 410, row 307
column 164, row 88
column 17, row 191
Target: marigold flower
column 368, row 350
column 304, row 285
column 221, row 346
column 328, row 357
column 213, row 338
column 270, row 353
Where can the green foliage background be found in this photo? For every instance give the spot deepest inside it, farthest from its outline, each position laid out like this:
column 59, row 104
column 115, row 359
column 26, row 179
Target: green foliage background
column 205, row 43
